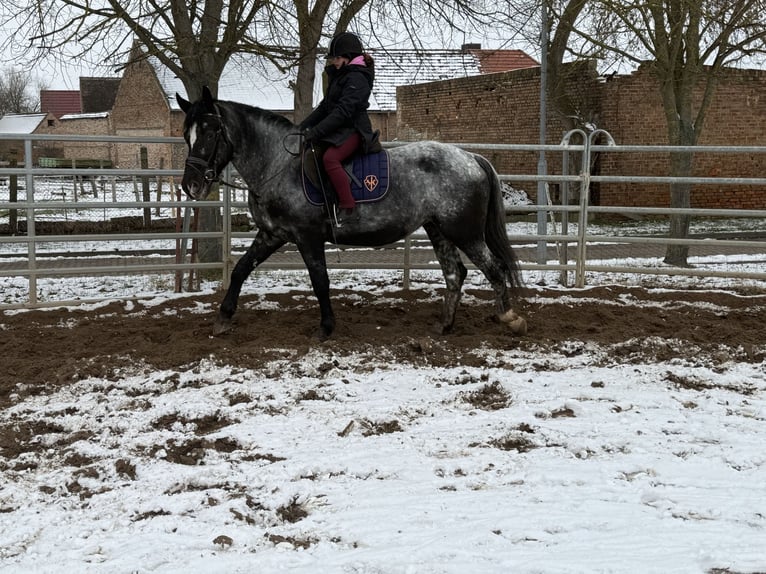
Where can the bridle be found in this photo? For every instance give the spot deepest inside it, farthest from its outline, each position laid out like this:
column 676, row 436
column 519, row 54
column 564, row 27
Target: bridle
column 205, row 167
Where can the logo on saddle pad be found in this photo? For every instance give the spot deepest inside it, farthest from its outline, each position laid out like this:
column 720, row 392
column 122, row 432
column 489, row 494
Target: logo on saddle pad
column 371, row 182
column 369, row 176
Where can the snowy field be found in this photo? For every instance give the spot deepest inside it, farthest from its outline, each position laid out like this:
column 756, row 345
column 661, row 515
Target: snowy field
column 538, row 461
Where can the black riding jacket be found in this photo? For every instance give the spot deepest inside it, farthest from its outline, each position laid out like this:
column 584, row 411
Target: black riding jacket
column 343, row 110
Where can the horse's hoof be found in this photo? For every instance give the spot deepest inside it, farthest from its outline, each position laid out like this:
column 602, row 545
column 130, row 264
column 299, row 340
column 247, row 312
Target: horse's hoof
column 516, row 323
column 221, row 326
column 323, row 335
column 326, row 328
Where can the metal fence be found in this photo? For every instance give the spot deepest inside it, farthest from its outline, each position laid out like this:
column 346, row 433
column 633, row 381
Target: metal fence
column 128, row 233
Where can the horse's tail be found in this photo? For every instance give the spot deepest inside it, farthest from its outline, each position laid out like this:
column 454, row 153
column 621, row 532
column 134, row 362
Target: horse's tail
column 494, row 232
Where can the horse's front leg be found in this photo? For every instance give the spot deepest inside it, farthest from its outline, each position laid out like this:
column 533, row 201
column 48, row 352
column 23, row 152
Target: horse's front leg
column 314, row 257
column 262, row 247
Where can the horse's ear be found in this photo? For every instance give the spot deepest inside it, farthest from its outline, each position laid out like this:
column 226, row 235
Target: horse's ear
column 207, row 95
column 185, row 104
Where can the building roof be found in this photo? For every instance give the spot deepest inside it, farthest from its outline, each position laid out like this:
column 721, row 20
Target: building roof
column 494, row 61
column 406, row 67
column 91, row 116
column 20, row 123
column 98, row 94
column 60, row 102
column 255, row 82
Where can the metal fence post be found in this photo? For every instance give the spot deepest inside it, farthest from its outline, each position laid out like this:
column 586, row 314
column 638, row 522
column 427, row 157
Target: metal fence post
column 406, row 265
column 582, row 224
column 564, row 252
column 32, row 244
column 226, row 229
column 585, row 176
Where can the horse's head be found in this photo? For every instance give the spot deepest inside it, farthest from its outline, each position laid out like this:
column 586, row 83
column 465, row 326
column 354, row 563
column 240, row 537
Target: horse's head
column 209, row 148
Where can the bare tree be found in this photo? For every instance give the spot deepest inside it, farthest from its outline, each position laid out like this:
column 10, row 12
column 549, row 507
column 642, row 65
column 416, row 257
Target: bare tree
column 687, row 43
column 195, row 40
column 16, row 93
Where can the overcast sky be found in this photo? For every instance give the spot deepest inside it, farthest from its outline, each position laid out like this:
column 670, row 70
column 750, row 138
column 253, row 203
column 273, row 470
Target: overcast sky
column 64, row 73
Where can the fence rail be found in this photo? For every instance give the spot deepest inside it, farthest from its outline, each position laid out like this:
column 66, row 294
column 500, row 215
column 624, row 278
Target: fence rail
column 35, row 260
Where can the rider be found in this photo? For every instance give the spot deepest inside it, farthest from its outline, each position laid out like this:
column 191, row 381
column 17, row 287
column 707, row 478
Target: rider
column 340, row 121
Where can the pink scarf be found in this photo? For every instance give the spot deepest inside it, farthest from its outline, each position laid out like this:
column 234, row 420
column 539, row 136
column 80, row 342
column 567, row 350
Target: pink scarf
column 358, row 61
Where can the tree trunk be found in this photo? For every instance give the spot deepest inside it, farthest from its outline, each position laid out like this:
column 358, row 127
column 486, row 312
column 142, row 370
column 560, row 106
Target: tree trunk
column 211, row 219
column 303, row 99
column 680, row 198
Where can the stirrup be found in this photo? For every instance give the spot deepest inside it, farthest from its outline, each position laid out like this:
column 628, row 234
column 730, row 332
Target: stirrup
column 338, row 218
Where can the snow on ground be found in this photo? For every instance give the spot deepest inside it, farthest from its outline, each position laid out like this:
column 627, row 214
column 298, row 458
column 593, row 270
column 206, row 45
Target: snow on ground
column 552, row 462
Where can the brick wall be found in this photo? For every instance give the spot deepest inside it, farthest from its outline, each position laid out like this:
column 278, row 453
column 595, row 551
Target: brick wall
column 504, row 108
column 494, row 108
column 141, row 109
column 632, row 112
column 85, row 150
column 97, row 126
column 501, row 108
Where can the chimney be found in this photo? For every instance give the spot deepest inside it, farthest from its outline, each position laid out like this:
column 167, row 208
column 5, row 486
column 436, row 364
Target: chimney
column 467, row 47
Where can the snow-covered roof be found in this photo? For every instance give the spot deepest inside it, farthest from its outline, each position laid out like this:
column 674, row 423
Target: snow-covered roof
column 92, row 116
column 395, row 68
column 20, row 123
column 254, row 81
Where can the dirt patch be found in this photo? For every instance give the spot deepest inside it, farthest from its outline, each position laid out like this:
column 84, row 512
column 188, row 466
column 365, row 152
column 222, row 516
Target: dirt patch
column 490, row 397
column 45, row 349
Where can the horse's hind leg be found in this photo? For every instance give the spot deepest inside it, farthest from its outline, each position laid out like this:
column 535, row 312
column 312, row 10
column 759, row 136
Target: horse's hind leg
column 454, row 274
column 481, row 256
column 260, row 250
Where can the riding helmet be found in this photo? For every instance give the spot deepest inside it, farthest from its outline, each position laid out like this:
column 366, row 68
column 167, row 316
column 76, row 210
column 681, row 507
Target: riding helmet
column 346, row 45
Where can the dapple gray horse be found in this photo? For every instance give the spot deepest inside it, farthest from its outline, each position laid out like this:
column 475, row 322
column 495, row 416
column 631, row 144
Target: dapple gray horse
column 453, row 194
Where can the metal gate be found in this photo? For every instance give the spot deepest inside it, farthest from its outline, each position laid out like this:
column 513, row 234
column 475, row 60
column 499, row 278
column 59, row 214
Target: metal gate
column 559, row 242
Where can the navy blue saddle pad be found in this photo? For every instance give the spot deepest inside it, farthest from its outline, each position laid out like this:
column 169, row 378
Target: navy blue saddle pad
column 369, row 181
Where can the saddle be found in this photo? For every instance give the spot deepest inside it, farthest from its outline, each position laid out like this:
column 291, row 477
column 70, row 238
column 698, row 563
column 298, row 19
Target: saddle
column 368, row 174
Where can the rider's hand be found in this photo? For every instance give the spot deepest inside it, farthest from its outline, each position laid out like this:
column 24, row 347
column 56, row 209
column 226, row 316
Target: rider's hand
column 308, row 135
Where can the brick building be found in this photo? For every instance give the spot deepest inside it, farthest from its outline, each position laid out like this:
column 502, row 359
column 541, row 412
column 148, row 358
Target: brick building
column 71, row 112
column 145, row 103
column 627, row 106
column 143, row 107
column 12, row 150
column 459, row 96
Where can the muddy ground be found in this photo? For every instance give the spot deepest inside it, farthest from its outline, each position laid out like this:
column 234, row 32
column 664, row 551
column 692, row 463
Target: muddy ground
column 43, row 349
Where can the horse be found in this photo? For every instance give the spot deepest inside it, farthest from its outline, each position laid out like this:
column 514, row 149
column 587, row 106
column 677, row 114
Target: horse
column 453, row 194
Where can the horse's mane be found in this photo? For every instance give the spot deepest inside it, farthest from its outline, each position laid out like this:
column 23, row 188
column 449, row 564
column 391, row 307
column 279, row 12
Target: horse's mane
column 265, row 115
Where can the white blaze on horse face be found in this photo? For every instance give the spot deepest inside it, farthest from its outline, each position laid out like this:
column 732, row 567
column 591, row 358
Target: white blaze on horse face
column 192, row 135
